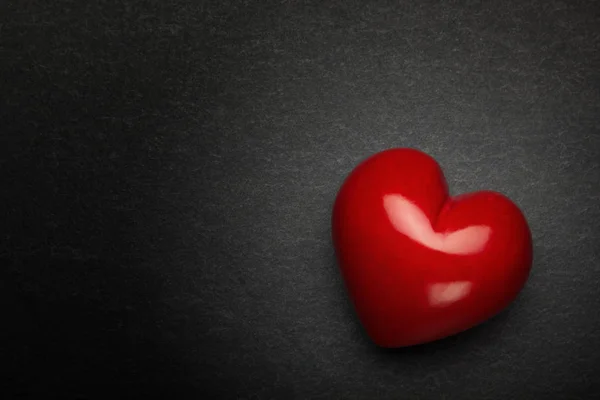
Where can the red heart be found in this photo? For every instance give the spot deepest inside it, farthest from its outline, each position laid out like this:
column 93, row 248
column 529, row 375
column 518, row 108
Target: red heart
column 418, row 264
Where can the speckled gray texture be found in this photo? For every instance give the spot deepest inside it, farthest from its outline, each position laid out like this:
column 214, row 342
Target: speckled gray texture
column 168, row 172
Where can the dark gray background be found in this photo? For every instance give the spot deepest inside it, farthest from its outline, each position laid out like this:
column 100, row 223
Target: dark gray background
column 168, row 171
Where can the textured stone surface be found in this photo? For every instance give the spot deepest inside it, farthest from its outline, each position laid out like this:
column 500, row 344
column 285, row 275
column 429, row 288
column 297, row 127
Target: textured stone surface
column 168, row 172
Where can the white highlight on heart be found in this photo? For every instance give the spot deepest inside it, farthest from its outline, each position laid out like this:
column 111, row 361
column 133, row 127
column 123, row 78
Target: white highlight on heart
column 443, row 294
column 410, row 220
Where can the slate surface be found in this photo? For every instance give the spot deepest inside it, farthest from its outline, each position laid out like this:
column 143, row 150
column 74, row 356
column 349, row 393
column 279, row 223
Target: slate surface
column 168, row 170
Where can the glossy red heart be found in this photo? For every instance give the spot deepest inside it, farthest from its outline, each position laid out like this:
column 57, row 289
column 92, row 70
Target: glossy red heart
column 418, row 264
